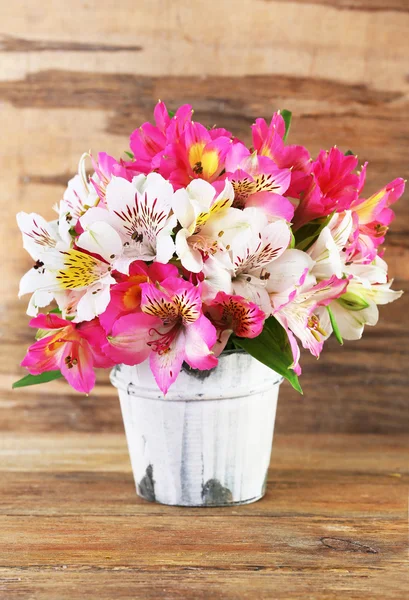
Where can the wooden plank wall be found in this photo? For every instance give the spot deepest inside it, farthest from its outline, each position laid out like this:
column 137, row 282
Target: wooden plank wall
column 83, row 74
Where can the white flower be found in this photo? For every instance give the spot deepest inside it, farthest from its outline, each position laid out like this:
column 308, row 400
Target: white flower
column 208, row 223
column 61, row 270
column 367, row 288
column 40, row 239
column 329, row 250
column 139, row 211
column 254, row 255
column 79, row 196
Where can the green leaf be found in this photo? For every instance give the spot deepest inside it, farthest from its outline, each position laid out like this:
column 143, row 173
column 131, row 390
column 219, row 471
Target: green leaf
column 171, row 113
column 287, row 115
column 36, row 379
column 335, row 327
column 272, row 348
column 54, row 311
column 130, row 154
column 349, row 153
column 306, row 235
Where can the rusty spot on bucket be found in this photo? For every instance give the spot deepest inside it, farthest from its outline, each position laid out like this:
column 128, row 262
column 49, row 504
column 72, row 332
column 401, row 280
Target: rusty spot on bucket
column 146, row 486
column 213, row 493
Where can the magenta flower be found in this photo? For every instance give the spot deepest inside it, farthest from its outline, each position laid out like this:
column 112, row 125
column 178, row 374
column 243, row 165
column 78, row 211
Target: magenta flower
column 234, row 315
column 74, row 349
column 171, row 329
column 333, row 187
column 126, row 294
column 268, row 141
column 148, row 142
column 199, row 154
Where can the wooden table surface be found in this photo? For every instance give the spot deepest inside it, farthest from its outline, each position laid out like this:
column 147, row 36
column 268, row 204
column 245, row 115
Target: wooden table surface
column 332, row 525
column 83, row 75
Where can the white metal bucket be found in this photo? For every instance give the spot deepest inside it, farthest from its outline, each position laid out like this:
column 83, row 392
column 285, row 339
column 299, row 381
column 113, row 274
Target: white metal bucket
column 208, row 443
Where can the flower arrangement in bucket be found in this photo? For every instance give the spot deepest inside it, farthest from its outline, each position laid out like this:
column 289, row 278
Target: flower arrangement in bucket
column 196, row 267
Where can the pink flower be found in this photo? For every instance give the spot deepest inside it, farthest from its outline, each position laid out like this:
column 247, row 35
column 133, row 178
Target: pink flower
column 171, row 329
column 333, row 187
column 105, row 168
column 200, row 154
column 298, row 315
column 74, row 349
column 258, row 182
column 148, row 142
column 373, row 216
column 234, row 314
column 267, row 138
column 268, row 141
column 126, row 294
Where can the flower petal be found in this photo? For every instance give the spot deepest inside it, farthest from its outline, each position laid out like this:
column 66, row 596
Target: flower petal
column 128, row 342
column 102, row 239
column 351, row 323
column 274, row 204
column 287, row 271
column 44, row 355
column 190, row 258
column 199, row 338
column 39, row 236
column 93, row 302
column 166, row 366
column 158, row 303
column 77, row 366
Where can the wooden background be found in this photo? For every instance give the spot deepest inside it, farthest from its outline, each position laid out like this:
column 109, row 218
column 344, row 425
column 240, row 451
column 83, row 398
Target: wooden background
column 82, row 75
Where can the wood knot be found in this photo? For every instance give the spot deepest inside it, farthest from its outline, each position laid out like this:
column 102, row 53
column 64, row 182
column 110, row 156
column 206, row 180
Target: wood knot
column 346, row 545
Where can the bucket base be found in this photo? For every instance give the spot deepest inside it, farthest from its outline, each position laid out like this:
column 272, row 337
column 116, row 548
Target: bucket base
column 207, row 505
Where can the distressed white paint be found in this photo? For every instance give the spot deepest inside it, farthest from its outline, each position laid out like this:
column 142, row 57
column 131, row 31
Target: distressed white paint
column 209, row 441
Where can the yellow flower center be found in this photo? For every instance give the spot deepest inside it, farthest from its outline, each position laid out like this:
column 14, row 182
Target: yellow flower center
column 80, row 270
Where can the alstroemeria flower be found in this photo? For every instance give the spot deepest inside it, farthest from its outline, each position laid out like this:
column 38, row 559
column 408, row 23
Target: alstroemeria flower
column 253, row 254
column 233, row 314
column 373, row 216
column 333, row 187
column 105, row 168
column 299, row 315
column 268, row 141
column 40, row 239
column 86, row 278
column 286, row 273
column 73, row 349
column 200, row 154
column 171, row 328
column 368, row 287
column 148, row 142
column 79, row 196
column 39, row 235
column 332, row 248
column 208, row 223
column 258, row 182
column 140, row 213
column 126, row 294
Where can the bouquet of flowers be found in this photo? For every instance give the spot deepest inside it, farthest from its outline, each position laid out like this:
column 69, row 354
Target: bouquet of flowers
column 194, row 243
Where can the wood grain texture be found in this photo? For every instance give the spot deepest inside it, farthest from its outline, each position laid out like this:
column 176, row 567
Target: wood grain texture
column 332, row 525
column 66, row 87
column 360, row 5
